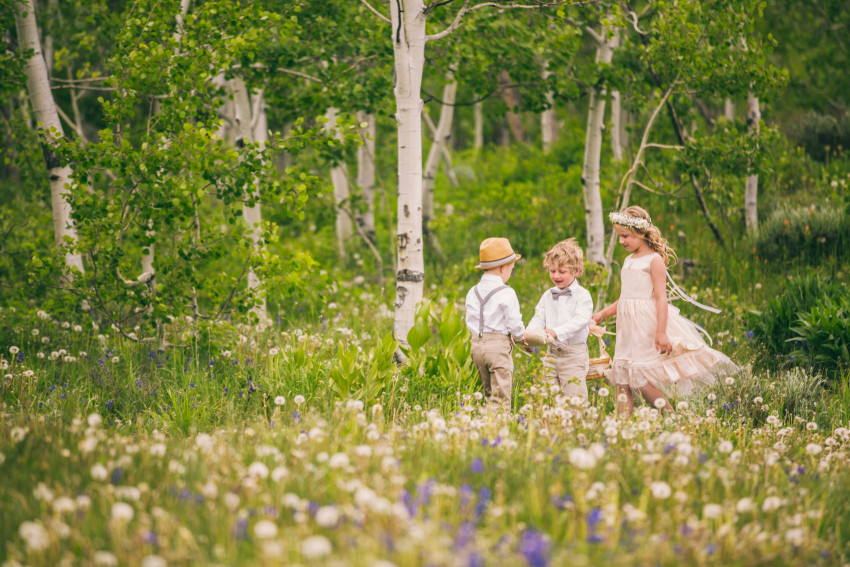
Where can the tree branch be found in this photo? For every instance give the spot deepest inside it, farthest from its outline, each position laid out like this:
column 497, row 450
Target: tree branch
column 374, row 11
column 465, row 10
column 664, row 146
column 634, row 22
column 71, row 124
column 453, row 26
column 436, row 5
column 83, row 88
column 77, row 81
column 299, row 74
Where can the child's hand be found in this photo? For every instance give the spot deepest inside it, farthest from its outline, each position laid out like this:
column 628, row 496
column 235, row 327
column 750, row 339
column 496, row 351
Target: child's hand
column 597, row 317
column 551, row 333
column 662, row 343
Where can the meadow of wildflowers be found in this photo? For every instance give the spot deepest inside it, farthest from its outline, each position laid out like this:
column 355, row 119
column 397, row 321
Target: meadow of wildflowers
column 312, row 447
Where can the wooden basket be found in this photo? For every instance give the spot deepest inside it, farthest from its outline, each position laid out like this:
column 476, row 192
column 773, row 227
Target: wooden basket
column 601, row 365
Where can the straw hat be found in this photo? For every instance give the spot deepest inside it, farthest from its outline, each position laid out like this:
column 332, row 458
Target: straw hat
column 495, row 252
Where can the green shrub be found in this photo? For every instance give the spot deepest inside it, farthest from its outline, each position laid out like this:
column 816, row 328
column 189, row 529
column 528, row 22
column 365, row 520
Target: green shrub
column 822, row 333
column 806, row 325
column 806, row 234
column 821, row 134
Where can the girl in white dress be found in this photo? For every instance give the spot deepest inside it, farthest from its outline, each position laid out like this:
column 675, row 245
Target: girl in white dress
column 659, row 352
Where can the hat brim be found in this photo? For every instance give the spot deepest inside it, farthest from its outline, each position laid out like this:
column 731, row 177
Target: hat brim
column 497, row 263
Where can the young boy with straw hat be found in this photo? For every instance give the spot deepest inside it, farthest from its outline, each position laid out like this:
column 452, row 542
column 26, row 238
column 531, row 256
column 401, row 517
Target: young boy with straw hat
column 493, row 318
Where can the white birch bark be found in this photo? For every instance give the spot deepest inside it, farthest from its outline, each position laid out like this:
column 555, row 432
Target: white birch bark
column 478, row 113
column 616, row 125
column 49, row 59
column 342, row 194
column 729, row 109
column 49, row 128
column 617, row 129
column 408, row 38
column 548, row 118
column 366, row 175
column 249, row 122
column 752, row 186
column 440, row 147
column 444, row 149
column 511, row 97
column 592, row 155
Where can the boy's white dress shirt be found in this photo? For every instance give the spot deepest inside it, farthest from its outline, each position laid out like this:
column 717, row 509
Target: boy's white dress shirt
column 501, row 311
column 567, row 315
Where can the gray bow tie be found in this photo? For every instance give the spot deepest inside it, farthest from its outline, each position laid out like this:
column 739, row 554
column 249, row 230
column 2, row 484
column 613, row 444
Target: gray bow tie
column 556, row 293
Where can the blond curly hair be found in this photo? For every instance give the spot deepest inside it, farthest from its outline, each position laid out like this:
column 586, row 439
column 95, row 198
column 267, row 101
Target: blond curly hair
column 652, row 235
column 568, row 254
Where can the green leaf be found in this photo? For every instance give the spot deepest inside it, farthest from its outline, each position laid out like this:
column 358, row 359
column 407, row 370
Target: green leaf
column 418, row 334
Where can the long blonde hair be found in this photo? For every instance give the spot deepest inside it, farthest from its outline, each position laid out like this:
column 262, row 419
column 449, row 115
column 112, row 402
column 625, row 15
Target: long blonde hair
column 652, row 235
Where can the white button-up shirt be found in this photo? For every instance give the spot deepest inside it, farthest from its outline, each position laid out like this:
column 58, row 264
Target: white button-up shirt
column 568, row 316
column 501, row 312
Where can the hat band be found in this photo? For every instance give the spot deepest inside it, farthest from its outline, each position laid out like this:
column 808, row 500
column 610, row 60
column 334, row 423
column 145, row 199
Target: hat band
column 495, row 263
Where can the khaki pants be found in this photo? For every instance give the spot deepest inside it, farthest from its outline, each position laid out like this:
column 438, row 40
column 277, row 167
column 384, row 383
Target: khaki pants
column 566, row 367
column 491, row 354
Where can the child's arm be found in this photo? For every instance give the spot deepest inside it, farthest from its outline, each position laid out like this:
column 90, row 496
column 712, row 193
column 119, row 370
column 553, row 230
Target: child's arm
column 580, row 320
column 600, row 316
column 658, row 274
column 539, row 319
column 513, row 317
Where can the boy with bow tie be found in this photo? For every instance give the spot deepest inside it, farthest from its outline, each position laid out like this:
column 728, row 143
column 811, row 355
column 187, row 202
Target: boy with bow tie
column 564, row 313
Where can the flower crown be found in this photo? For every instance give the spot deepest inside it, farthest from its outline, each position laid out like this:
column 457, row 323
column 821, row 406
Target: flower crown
column 630, row 222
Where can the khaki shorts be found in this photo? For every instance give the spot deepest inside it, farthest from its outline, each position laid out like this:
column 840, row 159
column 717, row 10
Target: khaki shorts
column 491, row 354
column 566, row 367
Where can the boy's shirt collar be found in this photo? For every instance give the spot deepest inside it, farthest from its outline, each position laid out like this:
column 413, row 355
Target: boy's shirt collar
column 492, row 277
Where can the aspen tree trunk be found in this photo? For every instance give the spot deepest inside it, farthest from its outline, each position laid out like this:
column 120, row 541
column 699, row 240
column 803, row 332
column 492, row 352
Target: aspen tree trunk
column 408, row 37
column 511, row 97
column 592, row 155
column 49, row 127
column 149, row 253
column 752, row 187
column 444, row 149
column 342, row 195
column 49, row 59
column 548, row 118
column 366, row 176
column 616, row 111
column 616, row 125
column 432, row 165
column 478, row 114
column 245, row 127
column 729, row 109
